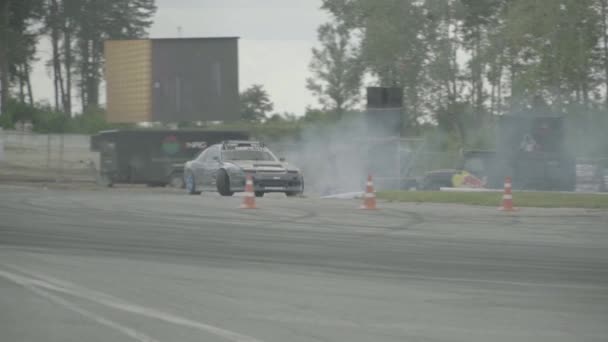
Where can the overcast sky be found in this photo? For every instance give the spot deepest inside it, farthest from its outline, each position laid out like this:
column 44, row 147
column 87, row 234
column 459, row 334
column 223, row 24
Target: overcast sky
column 276, row 40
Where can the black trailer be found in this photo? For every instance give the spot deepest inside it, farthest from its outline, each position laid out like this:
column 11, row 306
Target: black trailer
column 153, row 157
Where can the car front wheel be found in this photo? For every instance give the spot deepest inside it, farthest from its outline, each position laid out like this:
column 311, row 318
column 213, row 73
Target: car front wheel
column 223, row 184
column 296, row 193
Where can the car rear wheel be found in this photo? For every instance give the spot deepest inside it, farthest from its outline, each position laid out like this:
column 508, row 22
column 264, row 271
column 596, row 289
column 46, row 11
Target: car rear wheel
column 223, row 184
column 259, row 194
column 176, row 180
column 191, row 184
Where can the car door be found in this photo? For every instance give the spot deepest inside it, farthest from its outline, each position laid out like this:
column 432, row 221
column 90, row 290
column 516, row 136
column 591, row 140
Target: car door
column 211, row 167
column 197, row 166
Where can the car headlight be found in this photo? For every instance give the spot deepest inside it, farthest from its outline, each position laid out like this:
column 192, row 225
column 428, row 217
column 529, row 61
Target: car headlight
column 293, row 171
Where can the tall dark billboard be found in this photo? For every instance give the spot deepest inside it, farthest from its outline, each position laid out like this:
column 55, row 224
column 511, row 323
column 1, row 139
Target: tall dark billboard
column 172, row 80
column 195, row 80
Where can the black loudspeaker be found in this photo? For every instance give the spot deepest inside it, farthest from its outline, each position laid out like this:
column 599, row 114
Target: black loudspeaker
column 382, row 97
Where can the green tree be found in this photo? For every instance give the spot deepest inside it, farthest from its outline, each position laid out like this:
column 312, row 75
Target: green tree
column 477, row 16
column 282, row 118
column 98, row 21
column 77, row 29
column 337, row 69
column 52, row 24
column 18, row 39
column 395, row 49
column 255, row 103
column 552, row 45
column 497, row 54
column 602, row 8
column 443, row 70
column 462, row 61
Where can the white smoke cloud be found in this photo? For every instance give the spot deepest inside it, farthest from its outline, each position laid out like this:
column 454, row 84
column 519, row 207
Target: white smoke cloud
column 337, row 157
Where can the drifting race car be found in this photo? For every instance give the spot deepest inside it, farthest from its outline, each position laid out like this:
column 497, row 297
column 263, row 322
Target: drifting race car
column 224, row 168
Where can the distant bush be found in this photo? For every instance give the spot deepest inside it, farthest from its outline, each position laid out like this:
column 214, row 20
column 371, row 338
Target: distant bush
column 16, row 111
column 46, row 120
column 90, row 122
column 49, row 121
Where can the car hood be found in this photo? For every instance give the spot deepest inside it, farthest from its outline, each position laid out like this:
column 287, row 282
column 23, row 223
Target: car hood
column 261, row 165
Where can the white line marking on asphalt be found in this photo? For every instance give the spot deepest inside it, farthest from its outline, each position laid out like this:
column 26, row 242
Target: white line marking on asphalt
column 119, row 304
column 347, row 196
column 136, row 335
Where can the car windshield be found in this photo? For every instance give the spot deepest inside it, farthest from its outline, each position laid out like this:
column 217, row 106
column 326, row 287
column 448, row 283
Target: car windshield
column 248, row 155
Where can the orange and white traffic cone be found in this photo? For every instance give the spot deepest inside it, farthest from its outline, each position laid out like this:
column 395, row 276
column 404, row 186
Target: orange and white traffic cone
column 249, row 201
column 369, row 197
column 507, row 197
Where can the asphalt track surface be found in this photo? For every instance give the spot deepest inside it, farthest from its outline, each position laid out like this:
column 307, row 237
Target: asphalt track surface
column 144, row 265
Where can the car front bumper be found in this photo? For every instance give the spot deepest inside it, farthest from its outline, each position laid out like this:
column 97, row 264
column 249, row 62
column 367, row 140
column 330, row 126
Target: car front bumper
column 284, row 182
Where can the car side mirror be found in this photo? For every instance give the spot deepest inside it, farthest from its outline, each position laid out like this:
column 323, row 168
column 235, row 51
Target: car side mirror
column 282, row 159
column 216, row 158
